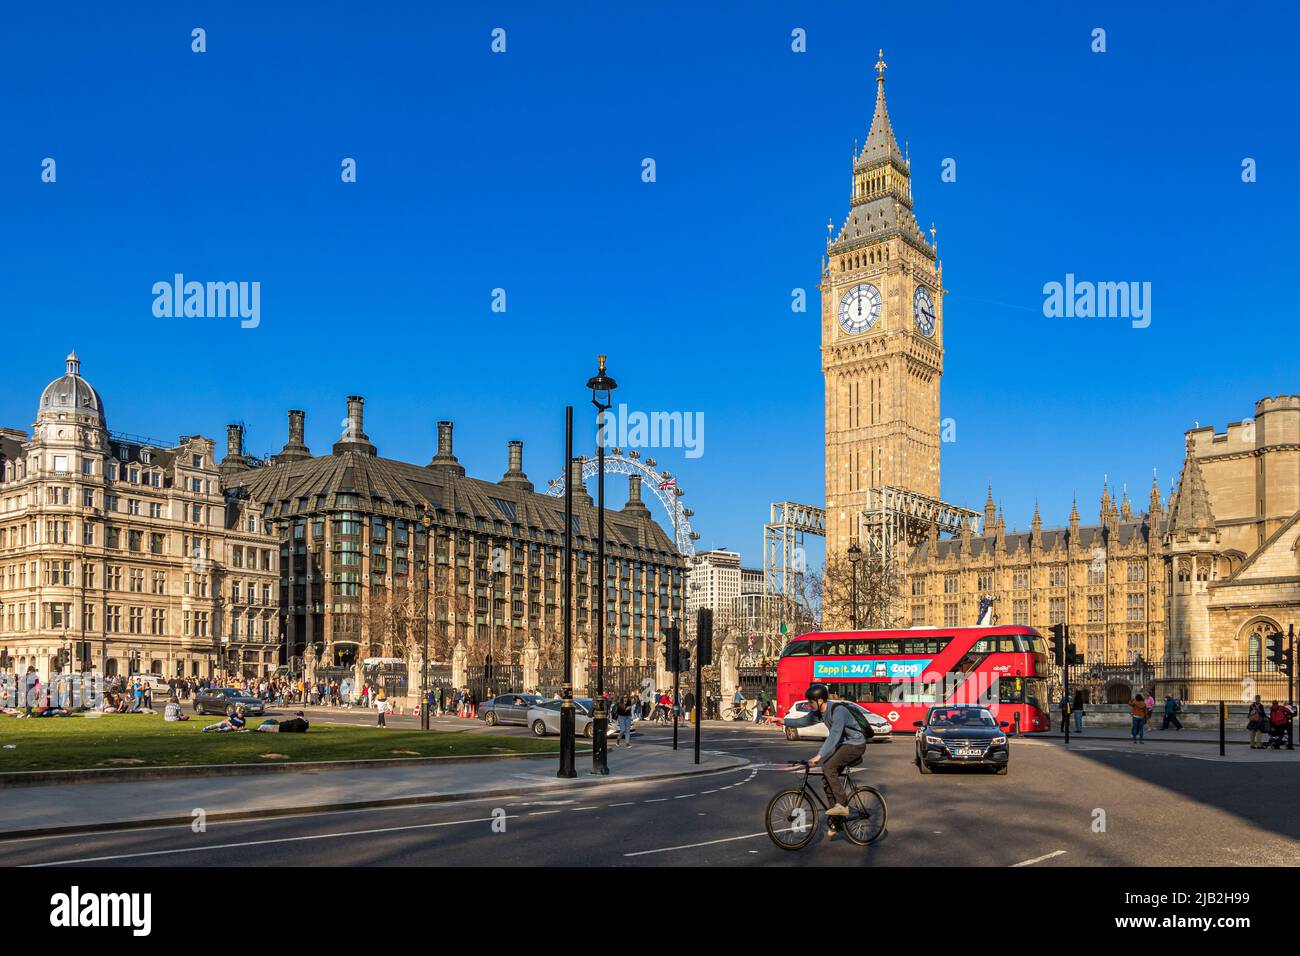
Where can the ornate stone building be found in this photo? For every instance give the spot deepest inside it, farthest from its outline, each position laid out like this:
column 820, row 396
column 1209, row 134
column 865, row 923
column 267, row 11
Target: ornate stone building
column 882, row 338
column 1205, row 576
column 115, row 551
column 130, row 556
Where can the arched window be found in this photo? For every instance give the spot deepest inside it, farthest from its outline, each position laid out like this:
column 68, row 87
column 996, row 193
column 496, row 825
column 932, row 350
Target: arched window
column 110, row 667
column 1256, row 633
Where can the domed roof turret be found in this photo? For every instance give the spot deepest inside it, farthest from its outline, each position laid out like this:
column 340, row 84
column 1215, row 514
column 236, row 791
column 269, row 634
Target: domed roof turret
column 71, row 393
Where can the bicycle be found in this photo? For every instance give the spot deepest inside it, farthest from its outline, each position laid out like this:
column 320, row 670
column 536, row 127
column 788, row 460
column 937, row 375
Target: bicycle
column 734, row 713
column 792, row 813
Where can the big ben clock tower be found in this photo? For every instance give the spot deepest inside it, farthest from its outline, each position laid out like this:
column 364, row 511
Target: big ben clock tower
column 882, row 338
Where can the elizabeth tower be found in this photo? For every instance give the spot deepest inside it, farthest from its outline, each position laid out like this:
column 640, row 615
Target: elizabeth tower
column 882, row 338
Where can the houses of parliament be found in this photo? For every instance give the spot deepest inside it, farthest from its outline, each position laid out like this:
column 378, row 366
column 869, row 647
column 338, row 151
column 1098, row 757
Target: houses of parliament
column 1205, row 572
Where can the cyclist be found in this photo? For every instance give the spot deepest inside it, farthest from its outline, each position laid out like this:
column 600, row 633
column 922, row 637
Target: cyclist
column 738, row 705
column 845, row 744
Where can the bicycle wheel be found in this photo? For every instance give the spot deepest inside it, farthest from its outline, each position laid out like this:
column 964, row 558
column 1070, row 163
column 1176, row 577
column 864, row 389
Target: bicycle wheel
column 867, row 812
column 791, row 819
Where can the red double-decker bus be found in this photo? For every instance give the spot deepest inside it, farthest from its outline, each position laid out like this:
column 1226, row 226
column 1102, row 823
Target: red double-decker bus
column 900, row 674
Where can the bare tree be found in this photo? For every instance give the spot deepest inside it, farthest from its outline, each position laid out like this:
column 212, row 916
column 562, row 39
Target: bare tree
column 876, row 590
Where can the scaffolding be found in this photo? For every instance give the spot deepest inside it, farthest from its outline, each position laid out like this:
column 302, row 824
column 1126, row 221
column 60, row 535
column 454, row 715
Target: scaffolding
column 784, row 556
column 896, row 520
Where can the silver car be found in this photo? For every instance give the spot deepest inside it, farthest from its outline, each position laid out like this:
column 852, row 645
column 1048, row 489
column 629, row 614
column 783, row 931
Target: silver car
column 799, row 724
column 544, row 718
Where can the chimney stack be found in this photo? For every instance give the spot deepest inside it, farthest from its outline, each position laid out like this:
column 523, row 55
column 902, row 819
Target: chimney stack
column 580, row 495
column 294, row 448
column 354, row 435
column 635, row 506
column 446, row 458
column 234, row 460
column 514, row 476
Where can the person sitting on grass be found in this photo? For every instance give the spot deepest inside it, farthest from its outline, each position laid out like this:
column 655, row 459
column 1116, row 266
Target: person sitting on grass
column 234, row 721
column 172, row 711
column 297, row 724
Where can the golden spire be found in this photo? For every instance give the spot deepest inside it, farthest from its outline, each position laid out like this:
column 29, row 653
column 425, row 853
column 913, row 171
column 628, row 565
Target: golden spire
column 881, row 66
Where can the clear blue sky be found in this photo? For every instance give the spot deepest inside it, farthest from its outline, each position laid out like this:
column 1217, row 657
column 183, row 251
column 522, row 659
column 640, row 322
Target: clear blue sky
column 522, row 171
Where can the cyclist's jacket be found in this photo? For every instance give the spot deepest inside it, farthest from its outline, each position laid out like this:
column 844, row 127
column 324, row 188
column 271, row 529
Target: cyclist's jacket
column 843, row 730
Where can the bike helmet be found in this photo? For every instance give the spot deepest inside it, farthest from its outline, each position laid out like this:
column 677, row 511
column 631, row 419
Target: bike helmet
column 817, row 692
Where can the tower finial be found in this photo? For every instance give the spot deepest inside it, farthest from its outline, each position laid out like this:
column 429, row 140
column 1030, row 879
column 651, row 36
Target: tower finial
column 881, row 66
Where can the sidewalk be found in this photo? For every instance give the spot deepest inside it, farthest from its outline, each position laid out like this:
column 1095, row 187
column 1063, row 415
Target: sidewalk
column 29, row 811
column 1206, row 738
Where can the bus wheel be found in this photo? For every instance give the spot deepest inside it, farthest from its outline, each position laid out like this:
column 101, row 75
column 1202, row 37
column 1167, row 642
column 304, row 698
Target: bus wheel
column 791, row 734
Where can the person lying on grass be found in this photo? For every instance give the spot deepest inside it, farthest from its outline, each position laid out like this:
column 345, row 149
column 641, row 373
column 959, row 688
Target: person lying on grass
column 234, row 721
column 297, row 724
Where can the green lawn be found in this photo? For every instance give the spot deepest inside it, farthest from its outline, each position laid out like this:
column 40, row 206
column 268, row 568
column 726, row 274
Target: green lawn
column 146, row 740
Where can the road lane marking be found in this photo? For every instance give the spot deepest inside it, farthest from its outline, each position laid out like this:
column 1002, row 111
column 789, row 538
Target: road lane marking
column 628, row 804
column 576, row 809
column 709, row 791
column 691, row 846
column 293, row 839
column 542, row 813
column 683, row 796
column 656, row 800
column 1039, row 859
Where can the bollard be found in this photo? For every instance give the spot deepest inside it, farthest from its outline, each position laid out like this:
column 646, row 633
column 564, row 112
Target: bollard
column 1223, row 724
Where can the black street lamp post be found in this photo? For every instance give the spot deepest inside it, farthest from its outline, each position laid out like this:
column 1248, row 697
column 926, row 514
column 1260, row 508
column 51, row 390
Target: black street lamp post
column 568, row 740
column 427, row 520
column 855, row 555
column 601, row 386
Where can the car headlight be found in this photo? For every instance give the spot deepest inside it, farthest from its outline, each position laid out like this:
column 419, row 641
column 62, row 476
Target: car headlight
column 937, row 741
column 998, row 740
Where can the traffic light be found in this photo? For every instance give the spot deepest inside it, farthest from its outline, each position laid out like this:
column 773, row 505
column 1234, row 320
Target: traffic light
column 1058, row 643
column 704, row 635
column 683, row 660
column 1278, row 654
column 1071, row 656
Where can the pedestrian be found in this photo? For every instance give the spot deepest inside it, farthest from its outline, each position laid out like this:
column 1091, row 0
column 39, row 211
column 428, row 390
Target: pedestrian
column 1138, row 711
column 1065, row 711
column 688, row 703
column 1151, row 704
column 622, row 713
column 1257, row 724
column 1080, row 701
column 1172, row 707
column 31, row 688
column 1277, row 716
column 381, row 707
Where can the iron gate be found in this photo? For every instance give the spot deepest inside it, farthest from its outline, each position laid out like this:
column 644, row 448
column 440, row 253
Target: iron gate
column 499, row 679
column 756, row 682
column 623, row 679
column 550, row 681
column 391, row 678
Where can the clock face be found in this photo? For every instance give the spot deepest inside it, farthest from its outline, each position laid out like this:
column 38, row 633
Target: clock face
column 860, row 308
column 923, row 309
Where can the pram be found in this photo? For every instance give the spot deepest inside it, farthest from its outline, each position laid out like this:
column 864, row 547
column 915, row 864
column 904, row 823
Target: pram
column 1277, row 736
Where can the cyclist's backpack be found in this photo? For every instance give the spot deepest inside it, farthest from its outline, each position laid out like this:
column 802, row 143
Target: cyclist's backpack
column 860, row 718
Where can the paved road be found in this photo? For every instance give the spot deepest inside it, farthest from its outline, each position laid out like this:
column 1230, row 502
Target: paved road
column 1099, row 804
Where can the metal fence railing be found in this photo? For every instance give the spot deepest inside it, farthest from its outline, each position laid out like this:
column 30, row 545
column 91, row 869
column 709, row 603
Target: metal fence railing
column 1191, row 680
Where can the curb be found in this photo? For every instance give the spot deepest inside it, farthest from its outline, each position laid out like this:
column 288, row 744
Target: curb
column 50, row 778
column 235, row 815
column 1209, row 742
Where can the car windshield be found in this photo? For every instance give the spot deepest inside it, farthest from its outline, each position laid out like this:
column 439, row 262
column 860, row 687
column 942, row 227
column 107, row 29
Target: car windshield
column 962, row 717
